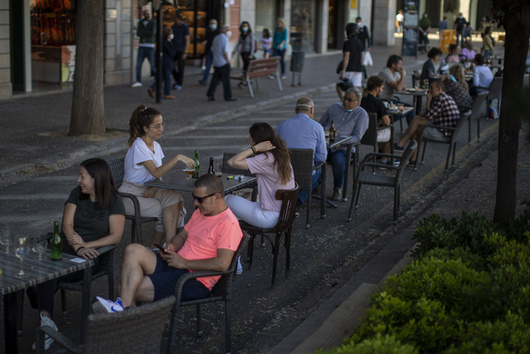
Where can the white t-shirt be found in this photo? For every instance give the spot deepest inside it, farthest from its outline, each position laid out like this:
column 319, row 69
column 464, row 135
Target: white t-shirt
column 138, row 153
column 482, row 76
column 388, row 91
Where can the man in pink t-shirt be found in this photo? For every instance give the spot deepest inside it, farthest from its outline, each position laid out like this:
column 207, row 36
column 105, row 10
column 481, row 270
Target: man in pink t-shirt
column 208, row 242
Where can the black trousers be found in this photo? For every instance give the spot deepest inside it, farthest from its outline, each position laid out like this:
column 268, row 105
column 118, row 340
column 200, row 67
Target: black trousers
column 221, row 73
column 246, row 60
column 178, row 71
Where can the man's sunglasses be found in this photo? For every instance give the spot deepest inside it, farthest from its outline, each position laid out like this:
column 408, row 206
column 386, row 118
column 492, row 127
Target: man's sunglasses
column 201, row 199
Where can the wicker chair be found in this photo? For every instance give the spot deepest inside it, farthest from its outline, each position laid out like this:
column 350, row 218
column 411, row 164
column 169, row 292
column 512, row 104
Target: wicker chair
column 118, row 171
column 137, row 330
column 222, row 291
column 236, row 171
column 284, row 226
column 464, row 116
column 302, row 162
column 382, row 180
column 478, row 101
column 370, row 135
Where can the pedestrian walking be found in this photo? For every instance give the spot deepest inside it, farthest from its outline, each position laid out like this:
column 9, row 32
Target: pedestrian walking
column 279, row 44
column 245, row 45
column 181, row 41
column 168, row 52
column 210, row 35
column 145, row 30
column 352, row 58
column 221, row 64
column 442, row 26
column 460, row 24
column 425, row 27
column 364, row 37
column 266, row 43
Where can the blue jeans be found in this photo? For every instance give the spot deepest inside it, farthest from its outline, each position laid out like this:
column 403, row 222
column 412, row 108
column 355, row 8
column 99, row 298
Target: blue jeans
column 167, row 82
column 143, row 53
column 487, row 53
column 302, row 197
column 281, row 54
column 208, row 65
column 338, row 163
column 460, row 34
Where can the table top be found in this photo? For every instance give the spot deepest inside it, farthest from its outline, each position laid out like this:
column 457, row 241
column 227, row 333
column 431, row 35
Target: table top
column 412, row 92
column 338, row 141
column 37, row 271
column 177, row 179
column 395, row 111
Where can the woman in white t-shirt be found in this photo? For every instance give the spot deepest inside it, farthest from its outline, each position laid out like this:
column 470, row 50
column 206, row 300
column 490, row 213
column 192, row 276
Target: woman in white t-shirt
column 272, row 166
column 143, row 163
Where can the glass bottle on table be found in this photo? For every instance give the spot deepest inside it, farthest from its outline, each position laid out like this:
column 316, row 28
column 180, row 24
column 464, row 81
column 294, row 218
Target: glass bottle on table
column 197, row 165
column 210, row 168
column 332, row 132
column 56, row 243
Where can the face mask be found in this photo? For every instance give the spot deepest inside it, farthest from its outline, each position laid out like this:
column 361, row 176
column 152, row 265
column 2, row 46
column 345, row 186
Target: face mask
column 484, row 19
column 172, row 36
column 280, row 26
column 244, row 29
column 229, row 34
column 459, row 16
column 347, row 110
column 212, row 27
column 360, row 24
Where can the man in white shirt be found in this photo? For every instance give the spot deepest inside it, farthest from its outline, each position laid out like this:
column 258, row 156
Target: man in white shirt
column 221, row 64
column 482, row 75
column 394, row 76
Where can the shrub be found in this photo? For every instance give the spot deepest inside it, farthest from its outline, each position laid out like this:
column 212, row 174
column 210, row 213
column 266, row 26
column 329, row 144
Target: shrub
column 380, row 344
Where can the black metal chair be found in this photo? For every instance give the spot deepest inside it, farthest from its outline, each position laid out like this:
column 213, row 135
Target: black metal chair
column 222, row 291
column 236, row 171
column 451, row 142
column 118, row 172
column 370, row 135
column 137, row 330
column 283, row 227
column 302, row 162
column 382, row 180
column 478, row 100
column 495, row 91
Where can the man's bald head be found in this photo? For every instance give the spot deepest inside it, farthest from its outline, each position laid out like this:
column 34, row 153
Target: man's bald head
column 305, row 105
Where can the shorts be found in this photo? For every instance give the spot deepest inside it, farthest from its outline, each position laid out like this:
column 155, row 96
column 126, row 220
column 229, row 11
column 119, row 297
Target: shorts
column 383, row 135
column 152, row 207
column 165, row 279
column 433, row 133
column 355, row 77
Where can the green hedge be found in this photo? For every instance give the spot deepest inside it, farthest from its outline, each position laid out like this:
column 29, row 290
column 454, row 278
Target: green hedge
column 467, row 291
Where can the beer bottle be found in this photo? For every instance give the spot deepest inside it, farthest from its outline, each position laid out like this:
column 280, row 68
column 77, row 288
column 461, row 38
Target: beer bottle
column 197, row 165
column 332, row 132
column 56, row 243
column 210, row 169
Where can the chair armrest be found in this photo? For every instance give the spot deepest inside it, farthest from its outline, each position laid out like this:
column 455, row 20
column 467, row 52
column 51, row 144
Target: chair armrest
column 379, row 154
column 319, row 165
column 106, row 249
column 58, row 337
column 375, row 164
column 137, row 215
column 193, row 275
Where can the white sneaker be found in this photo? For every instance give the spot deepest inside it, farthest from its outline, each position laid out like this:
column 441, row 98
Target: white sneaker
column 239, row 270
column 107, row 306
column 137, row 84
column 46, row 321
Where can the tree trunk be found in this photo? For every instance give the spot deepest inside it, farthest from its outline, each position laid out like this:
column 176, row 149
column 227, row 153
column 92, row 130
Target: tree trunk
column 88, row 111
column 517, row 33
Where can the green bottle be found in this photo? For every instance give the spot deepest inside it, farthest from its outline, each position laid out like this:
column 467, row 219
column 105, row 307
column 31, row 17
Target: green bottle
column 56, row 243
column 197, row 165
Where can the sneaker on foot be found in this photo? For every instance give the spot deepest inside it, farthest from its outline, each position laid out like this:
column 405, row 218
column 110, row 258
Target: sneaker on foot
column 398, row 148
column 271, row 76
column 151, row 92
column 283, row 76
column 177, row 87
column 137, row 84
column 384, row 164
column 102, row 305
column 203, row 83
column 337, row 194
column 46, row 321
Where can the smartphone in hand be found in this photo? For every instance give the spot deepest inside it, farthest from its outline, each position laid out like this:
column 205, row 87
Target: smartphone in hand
column 160, row 248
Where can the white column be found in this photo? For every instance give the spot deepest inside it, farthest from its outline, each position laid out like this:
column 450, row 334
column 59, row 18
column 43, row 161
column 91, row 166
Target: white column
column 248, row 13
column 323, row 12
column 365, row 12
column 384, row 22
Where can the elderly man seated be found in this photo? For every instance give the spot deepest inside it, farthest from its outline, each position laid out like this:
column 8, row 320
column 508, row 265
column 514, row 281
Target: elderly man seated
column 302, row 132
column 208, row 242
column 442, row 111
column 350, row 120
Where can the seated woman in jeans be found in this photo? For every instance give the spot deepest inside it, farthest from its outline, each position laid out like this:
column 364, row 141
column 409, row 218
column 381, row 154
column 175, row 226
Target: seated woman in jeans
column 94, row 217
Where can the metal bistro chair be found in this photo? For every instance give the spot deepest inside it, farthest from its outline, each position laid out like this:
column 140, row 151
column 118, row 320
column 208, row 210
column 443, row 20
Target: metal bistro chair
column 222, row 291
column 118, row 171
column 370, row 136
column 137, row 330
column 302, row 162
column 382, row 180
column 464, row 116
column 495, row 91
column 478, row 100
column 283, row 227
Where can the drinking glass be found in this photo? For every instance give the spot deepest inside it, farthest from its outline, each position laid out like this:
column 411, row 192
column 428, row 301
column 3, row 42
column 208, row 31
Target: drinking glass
column 5, row 238
column 219, row 169
column 39, row 245
column 190, row 172
column 21, row 251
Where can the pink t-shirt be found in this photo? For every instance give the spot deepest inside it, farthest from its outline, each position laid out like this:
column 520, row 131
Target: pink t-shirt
column 208, row 233
column 268, row 180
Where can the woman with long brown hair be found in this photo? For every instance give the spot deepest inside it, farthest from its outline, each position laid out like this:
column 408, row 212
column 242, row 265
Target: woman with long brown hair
column 143, row 163
column 272, row 166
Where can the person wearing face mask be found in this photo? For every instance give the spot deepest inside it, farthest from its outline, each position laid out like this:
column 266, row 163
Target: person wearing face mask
column 210, row 35
column 459, row 25
column 245, row 45
column 221, row 64
column 350, row 120
column 364, row 37
column 168, row 50
column 279, row 44
column 485, row 24
column 425, row 27
column 181, row 40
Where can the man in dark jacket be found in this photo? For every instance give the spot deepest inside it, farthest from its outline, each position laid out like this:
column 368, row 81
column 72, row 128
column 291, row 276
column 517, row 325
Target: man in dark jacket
column 210, row 35
column 181, row 40
column 146, row 30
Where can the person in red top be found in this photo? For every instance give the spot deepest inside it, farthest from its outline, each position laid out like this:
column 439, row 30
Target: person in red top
column 208, row 242
column 442, row 111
